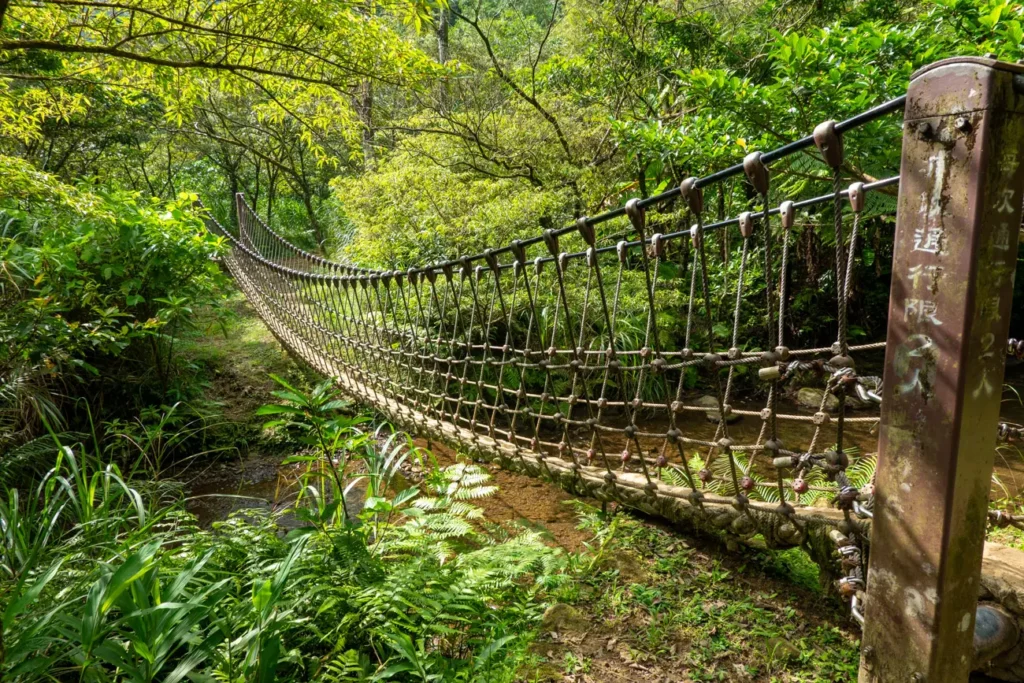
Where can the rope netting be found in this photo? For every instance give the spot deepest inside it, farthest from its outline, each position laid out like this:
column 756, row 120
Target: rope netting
column 559, row 353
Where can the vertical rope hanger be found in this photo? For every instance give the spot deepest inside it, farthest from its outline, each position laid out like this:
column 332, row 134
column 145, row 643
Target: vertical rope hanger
column 455, row 296
column 787, row 216
column 760, row 178
column 499, row 405
column 586, row 231
column 577, row 364
column 692, row 192
column 440, row 305
column 830, row 145
column 676, row 406
column 467, row 278
column 416, row 281
column 565, row 445
column 519, row 266
column 638, row 217
column 476, row 277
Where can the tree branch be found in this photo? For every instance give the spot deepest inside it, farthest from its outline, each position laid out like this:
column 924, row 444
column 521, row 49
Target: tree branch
column 16, row 45
column 516, row 88
column 199, row 28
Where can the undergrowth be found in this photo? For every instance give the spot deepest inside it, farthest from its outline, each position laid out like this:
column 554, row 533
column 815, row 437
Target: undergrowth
column 656, row 607
column 106, row 576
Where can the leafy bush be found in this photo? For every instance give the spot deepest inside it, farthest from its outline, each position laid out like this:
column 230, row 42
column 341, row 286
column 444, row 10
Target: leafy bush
column 95, row 286
column 412, row 212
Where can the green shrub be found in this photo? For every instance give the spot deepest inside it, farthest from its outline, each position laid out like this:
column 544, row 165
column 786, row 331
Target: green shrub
column 95, row 287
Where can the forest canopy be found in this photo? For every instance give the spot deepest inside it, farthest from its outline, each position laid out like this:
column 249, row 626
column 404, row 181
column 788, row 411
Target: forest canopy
column 401, row 131
column 397, row 133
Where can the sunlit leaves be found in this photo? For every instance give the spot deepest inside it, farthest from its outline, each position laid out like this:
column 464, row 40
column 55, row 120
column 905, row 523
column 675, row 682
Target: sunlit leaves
column 87, row 274
column 303, row 63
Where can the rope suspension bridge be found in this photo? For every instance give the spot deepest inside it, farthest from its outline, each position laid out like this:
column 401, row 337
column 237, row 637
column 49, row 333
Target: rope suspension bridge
column 551, row 356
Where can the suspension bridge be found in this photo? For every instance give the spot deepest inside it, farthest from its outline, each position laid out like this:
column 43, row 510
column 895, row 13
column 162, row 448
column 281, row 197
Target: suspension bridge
column 549, row 355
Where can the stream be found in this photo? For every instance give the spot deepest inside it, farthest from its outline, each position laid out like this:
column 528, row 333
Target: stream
column 260, row 481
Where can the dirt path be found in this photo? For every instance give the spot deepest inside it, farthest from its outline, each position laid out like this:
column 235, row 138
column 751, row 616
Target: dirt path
column 650, row 604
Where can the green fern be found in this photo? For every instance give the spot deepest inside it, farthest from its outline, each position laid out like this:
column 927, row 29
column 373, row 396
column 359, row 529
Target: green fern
column 350, row 665
column 860, row 472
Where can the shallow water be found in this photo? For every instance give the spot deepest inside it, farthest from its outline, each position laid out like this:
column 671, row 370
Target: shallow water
column 258, row 482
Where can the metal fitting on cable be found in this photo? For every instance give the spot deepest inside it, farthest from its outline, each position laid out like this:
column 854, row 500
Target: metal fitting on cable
column 518, row 252
column 563, row 261
column 551, row 240
column 1015, row 348
column 856, row 196
column 492, row 260
column 1009, row 432
column 757, row 172
column 863, row 511
column 865, row 394
column 746, row 224
column 586, row 230
column 658, row 244
column 693, row 195
column 636, row 215
column 829, row 143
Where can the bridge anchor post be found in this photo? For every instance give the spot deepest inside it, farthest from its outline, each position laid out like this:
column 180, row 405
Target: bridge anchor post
column 958, row 214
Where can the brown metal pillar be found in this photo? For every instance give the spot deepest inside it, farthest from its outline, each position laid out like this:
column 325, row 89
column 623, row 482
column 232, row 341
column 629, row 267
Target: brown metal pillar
column 961, row 191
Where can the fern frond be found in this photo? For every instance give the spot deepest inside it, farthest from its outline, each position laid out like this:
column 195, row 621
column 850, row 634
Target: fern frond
column 475, row 493
column 862, row 470
column 674, row 476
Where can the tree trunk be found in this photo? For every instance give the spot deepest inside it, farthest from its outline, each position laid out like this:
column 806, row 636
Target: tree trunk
column 641, row 176
column 233, row 182
column 365, row 110
column 307, row 201
column 271, row 192
column 444, row 19
column 442, row 35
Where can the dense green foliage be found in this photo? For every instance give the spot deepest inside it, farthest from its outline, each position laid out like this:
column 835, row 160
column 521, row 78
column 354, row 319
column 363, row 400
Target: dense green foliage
column 105, row 577
column 95, row 287
column 640, row 95
column 390, row 133
column 405, row 132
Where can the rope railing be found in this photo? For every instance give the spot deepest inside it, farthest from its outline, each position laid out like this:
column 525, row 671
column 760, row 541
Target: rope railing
column 533, row 352
column 559, row 362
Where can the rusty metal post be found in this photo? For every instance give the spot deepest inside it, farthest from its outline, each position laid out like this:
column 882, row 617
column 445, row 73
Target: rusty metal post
column 961, row 192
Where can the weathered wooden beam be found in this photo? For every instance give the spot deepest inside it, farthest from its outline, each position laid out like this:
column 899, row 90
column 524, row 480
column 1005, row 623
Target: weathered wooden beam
column 961, row 192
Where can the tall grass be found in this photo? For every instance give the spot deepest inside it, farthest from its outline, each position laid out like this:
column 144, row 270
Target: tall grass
column 104, row 576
